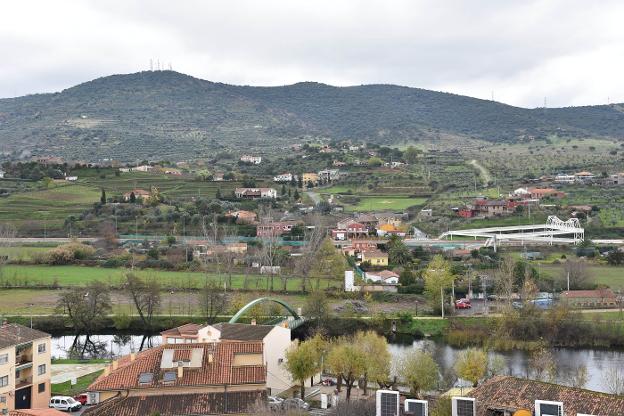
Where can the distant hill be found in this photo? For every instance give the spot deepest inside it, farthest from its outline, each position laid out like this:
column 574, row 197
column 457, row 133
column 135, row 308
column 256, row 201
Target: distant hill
column 165, row 114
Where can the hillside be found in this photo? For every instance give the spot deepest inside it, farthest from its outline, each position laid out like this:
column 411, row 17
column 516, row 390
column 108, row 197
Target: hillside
column 165, row 114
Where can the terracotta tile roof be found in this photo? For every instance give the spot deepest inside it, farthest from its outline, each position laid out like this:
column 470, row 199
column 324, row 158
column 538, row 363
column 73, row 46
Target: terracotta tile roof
column 186, row 329
column 215, row 368
column 386, row 274
column 14, row 334
column 243, row 332
column 36, row 412
column 510, row 393
column 180, row 404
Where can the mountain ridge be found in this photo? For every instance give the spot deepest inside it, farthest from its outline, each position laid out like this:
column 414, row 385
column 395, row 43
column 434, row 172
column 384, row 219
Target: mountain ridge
column 166, row 114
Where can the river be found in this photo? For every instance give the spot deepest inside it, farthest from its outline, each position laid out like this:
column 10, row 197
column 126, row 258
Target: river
column 596, row 361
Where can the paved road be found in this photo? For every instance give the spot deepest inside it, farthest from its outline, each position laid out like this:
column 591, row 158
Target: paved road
column 65, row 372
column 316, row 198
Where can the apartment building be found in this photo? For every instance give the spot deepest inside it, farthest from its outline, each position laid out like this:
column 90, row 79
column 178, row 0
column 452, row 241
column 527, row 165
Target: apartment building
column 25, row 366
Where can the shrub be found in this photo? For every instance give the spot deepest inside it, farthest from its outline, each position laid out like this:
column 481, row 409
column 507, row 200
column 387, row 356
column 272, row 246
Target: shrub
column 68, row 253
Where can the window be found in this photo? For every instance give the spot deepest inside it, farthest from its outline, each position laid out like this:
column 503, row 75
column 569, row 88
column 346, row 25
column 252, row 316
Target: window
column 41, row 387
column 4, row 358
column 41, row 370
column 41, row 348
column 2, row 399
column 4, row 381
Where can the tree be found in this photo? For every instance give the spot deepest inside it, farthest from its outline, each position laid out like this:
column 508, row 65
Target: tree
column 374, row 161
column 145, row 296
column 411, row 155
column 330, row 263
column 132, row 198
column 218, row 194
column 212, row 300
column 7, row 232
column 542, row 365
column 505, row 278
column 578, row 377
column 313, row 238
column 296, row 195
column 578, row 274
column 103, row 197
column 348, row 362
column 419, row 371
column 613, row 380
column 375, row 348
column 398, row 253
column 615, row 257
column 438, row 277
column 87, row 309
column 302, row 362
column 471, row 365
column 317, row 308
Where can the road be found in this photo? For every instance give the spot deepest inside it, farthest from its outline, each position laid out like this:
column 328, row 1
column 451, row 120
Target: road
column 483, row 172
column 316, row 198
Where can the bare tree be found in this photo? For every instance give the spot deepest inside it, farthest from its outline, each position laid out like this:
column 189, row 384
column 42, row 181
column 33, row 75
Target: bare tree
column 578, row 377
column 613, row 379
column 270, row 250
column 577, row 272
column 146, row 298
column 505, row 279
column 542, row 365
column 313, row 239
column 213, row 301
column 87, row 309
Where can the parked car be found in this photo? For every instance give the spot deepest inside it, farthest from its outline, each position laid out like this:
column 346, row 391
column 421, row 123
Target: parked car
column 81, row 398
column 463, row 304
column 275, row 403
column 64, row 403
column 295, row 403
column 328, row 382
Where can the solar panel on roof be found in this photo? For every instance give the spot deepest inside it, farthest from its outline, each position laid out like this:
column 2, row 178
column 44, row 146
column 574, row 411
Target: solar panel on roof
column 169, row 377
column 146, row 378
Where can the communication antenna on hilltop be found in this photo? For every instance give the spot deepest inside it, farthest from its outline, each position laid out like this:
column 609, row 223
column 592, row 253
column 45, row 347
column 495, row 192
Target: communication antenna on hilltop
column 170, row 67
column 492, row 95
column 544, row 102
column 151, row 64
column 158, row 60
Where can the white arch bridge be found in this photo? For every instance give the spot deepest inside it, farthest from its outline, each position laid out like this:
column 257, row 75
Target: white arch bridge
column 555, row 231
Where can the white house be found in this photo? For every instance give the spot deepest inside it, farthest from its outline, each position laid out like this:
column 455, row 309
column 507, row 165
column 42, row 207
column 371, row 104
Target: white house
column 251, row 159
column 563, row 178
column 255, row 193
column 276, row 341
column 71, row 178
column 142, row 168
column 284, row 177
column 385, row 276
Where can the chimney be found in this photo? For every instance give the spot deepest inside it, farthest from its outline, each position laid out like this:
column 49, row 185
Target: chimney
column 115, row 365
column 210, row 358
column 132, row 356
column 180, row 370
column 253, row 321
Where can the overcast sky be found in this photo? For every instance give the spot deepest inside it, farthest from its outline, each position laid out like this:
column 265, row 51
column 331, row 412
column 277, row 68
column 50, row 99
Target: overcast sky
column 570, row 51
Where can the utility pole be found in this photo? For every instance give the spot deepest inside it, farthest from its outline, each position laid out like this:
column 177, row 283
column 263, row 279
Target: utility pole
column 484, row 285
column 442, row 300
column 568, row 278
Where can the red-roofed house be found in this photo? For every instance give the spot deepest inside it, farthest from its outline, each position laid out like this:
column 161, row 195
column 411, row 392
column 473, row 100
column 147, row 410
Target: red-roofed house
column 206, row 371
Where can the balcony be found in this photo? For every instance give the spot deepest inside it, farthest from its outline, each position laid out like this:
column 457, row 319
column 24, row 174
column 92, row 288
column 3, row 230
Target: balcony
column 23, row 382
column 21, row 361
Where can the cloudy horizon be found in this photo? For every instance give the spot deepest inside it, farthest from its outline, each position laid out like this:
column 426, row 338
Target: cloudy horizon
column 521, row 53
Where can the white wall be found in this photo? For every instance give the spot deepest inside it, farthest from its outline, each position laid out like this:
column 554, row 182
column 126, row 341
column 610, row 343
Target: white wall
column 276, row 343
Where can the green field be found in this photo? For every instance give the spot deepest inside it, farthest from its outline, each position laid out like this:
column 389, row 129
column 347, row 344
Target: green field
column 18, row 253
column 384, row 203
column 603, row 275
column 80, row 275
column 66, row 389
